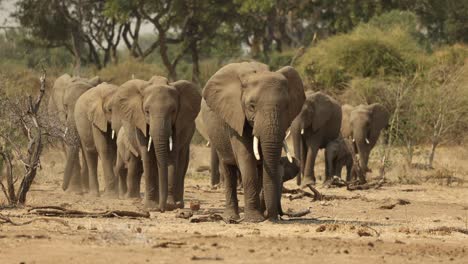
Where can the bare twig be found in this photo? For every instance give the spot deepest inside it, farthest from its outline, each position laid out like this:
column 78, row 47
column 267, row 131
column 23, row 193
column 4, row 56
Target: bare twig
column 57, row 211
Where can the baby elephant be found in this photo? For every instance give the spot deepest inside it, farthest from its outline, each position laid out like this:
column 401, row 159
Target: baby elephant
column 338, row 154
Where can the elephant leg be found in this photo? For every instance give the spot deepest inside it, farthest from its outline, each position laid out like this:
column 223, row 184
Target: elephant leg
column 107, row 150
column 232, row 204
column 309, row 173
column 252, row 185
column 214, row 165
column 183, row 164
column 121, row 172
column 91, row 157
column 84, row 173
column 72, row 177
column 134, row 171
column 349, row 169
column 150, row 173
column 172, row 172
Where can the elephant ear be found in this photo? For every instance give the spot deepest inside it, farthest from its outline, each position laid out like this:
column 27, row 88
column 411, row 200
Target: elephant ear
column 189, row 102
column 129, row 102
column 380, row 116
column 158, row 80
column 295, row 90
column 96, row 114
column 223, row 92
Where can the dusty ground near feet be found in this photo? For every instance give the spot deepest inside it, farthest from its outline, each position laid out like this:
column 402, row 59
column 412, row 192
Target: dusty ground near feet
column 424, row 225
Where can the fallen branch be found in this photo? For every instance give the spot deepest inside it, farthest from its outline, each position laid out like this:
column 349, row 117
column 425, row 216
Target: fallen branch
column 7, row 220
column 57, row 211
column 448, row 230
column 168, row 244
column 290, row 213
column 365, row 186
column 300, row 193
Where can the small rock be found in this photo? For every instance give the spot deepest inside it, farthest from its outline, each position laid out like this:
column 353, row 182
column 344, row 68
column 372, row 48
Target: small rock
column 370, row 244
column 80, row 227
column 321, row 228
column 195, row 205
column 363, row 232
column 346, row 251
column 399, row 242
column 251, row 250
column 138, row 230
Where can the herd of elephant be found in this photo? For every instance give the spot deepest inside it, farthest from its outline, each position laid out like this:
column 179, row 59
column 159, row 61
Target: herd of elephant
column 245, row 111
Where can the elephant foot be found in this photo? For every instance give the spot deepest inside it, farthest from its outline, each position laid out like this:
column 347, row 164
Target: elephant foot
column 74, row 190
column 132, row 195
column 151, row 205
column 94, row 193
column 231, row 214
column 253, row 216
column 111, row 194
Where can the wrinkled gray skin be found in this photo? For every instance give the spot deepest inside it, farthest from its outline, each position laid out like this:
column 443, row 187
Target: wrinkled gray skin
column 287, row 171
column 156, row 112
column 363, row 125
column 320, row 120
column 128, row 167
column 95, row 122
column 338, row 154
column 243, row 101
column 214, row 160
column 64, row 94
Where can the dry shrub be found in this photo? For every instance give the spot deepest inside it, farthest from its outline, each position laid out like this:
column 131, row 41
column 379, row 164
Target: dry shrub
column 128, row 69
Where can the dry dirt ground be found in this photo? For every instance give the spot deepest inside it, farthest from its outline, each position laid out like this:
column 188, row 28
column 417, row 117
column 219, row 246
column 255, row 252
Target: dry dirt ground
column 346, row 227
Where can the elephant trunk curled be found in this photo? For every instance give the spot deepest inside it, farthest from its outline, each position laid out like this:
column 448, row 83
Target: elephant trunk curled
column 161, row 134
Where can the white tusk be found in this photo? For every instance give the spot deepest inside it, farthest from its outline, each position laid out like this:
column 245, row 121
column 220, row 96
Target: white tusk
column 367, row 141
column 287, row 134
column 302, row 131
column 66, row 131
column 354, row 140
column 208, row 144
column 113, row 133
column 255, row 148
column 149, row 143
column 285, row 146
column 170, row 143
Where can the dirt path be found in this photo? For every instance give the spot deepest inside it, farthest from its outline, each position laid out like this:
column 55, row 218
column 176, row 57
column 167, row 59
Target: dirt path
column 346, row 227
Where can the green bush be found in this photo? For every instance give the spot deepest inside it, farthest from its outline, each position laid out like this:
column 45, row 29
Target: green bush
column 367, row 51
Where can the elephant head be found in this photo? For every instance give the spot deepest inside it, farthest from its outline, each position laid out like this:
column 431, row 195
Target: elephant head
column 366, row 122
column 164, row 115
column 260, row 104
column 100, row 113
column 317, row 110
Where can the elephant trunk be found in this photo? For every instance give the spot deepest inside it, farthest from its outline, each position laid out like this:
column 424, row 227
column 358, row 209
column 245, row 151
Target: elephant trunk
column 298, row 151
column 271, row 151
column 270, row 128
column 162, row 135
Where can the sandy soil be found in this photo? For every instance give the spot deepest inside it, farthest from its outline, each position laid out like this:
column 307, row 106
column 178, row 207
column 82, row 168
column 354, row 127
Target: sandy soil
column 346, row 227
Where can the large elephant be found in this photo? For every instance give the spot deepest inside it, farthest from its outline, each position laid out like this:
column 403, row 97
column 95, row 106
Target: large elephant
column 248, row 109
column 97, row 125
column 363, row 125
column 161, row 117
column 317, row 124
column 128, row 167
column 214, row 159
column 64, row 94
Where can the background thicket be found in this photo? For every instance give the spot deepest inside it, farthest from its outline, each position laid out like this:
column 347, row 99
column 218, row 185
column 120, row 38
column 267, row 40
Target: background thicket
column 410, row 56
